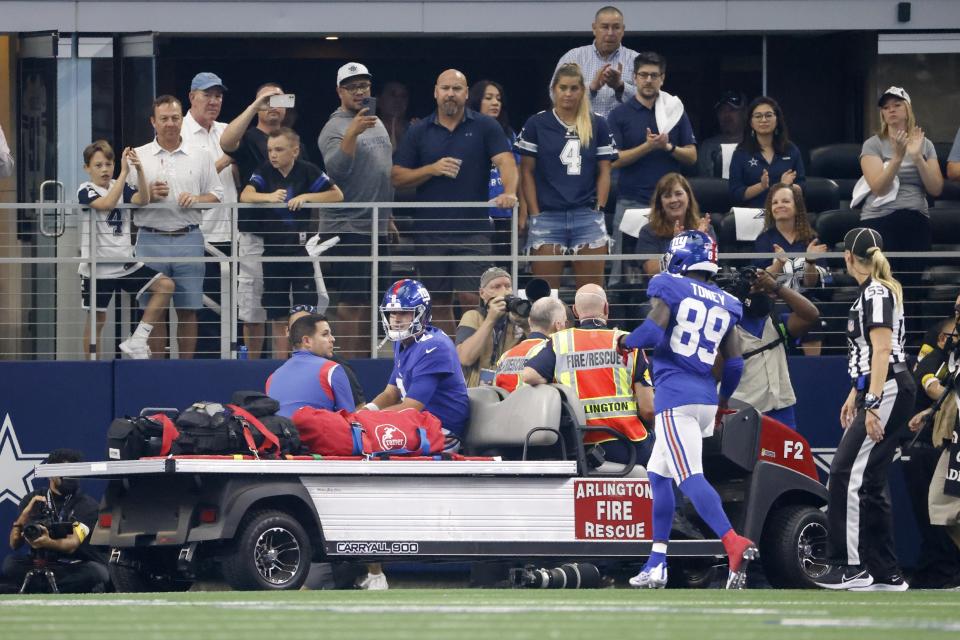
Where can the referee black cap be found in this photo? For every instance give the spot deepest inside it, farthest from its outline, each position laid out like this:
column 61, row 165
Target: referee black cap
column 860, row 240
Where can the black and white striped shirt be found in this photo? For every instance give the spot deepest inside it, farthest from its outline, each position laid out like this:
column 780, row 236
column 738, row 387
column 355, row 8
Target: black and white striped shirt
column 875, row 306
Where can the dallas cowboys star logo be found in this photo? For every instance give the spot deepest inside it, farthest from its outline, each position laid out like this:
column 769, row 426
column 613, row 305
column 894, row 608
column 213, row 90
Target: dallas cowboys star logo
column 16, row 467
column 754, row 162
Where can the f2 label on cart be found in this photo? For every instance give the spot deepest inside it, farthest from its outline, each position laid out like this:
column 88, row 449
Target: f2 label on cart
column 612, row 509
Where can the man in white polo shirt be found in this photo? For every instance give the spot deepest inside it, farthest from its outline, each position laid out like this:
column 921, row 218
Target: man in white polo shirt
column 182, row 177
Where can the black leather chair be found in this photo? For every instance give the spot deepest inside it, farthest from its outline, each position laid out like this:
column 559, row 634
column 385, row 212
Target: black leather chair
column 832, row 226
column 951, row 190
column 712, row 194
column 840, row 163
column 821, row 194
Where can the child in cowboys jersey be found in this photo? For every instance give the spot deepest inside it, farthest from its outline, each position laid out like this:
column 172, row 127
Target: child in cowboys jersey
column 116, row 268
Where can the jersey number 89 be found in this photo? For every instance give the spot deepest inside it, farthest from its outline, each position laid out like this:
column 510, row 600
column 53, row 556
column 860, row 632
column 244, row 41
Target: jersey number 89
column 696, row 323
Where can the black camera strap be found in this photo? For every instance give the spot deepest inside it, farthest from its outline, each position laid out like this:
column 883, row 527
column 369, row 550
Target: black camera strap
column 781, row 339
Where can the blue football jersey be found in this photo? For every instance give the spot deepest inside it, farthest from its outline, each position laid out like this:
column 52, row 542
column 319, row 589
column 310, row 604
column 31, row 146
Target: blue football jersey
column 701, row 314
column 429, row 372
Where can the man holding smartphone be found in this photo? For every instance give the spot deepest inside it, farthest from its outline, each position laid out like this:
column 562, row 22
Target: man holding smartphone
column 358, row 155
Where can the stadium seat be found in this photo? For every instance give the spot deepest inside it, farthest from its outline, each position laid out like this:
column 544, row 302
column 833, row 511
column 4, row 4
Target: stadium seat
column 951, row 190
column 821, row 194
column 727, row 237
column 712, row 194
column 840, row 163
column 833, row 225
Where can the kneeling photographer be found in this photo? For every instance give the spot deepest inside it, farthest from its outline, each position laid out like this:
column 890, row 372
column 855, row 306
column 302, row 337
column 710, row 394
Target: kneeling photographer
column 764, row 337
column 55, row 525
column 495, row 327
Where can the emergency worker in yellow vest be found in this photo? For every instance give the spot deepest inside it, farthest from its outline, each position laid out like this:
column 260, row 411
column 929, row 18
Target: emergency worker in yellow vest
column 547, row 316
column 613, row 394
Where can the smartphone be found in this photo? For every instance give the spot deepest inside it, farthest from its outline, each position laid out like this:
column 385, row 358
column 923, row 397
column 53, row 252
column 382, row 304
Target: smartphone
column 369, row 103
column 283, row 100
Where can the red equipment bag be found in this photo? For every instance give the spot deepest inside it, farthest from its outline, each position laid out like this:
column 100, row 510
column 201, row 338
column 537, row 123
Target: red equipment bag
column 328, row 433
column 406, row 432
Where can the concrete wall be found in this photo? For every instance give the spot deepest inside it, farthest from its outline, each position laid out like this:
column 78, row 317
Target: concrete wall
column 469, row 16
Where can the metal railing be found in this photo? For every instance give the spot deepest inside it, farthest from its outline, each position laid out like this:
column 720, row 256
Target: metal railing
column 41, row 299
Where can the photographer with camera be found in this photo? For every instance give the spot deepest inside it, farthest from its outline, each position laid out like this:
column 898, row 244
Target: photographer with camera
column 492, row 329
column 56, row 523
column 764, row 336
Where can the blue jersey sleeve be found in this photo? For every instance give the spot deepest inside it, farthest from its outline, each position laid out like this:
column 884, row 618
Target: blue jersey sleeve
column 342, row 393
column 606, row 144
column 394, row 374
column 318, row 180
column 87, row 194
column 527, row 142
column 423, row 387
column 128, row 193
column 663, row 286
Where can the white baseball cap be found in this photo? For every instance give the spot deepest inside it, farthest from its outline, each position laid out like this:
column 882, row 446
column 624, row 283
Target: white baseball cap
column 351, row 70
column 897, row 92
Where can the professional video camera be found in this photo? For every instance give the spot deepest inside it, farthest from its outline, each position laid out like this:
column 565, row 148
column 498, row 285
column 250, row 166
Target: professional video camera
column 575, row 575
column 42, row 516
column 737, row 281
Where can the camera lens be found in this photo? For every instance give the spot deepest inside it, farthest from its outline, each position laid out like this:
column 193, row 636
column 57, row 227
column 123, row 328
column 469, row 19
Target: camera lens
column 518, row 306
column 32, row 531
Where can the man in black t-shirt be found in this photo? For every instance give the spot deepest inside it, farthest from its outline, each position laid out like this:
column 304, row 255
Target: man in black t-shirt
column 286, row 179
column 77, row 567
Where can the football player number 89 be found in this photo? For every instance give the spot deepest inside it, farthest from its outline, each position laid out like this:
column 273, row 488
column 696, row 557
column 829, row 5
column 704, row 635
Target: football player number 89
column 570, row 157
column 696, row 323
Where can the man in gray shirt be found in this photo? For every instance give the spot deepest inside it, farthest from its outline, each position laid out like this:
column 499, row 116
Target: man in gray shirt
column 358, row 157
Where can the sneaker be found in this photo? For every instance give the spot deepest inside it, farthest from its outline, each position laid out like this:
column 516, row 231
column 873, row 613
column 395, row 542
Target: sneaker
column 846, row 577
column 374, row 582
column 654, row 577
column 740, row 552
column 894, row 582
column 135, row 349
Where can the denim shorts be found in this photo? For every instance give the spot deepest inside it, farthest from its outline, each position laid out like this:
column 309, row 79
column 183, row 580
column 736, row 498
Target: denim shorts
column 572, row 230
column 188, row 277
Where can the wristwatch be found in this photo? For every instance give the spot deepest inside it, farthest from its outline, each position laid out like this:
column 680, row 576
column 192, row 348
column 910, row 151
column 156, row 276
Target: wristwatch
column 672, row 148
column 871, row 401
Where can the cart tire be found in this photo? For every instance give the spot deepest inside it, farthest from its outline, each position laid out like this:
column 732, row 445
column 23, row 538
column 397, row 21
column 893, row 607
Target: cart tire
column 272, row 552
column 691, row 573
column 793, row 547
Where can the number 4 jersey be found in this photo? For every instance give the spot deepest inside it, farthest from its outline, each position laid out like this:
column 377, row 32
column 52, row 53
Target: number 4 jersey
column 112, row 229
column 700, row 316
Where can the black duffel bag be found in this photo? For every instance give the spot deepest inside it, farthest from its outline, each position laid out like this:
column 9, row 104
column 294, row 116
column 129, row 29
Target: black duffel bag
column 133, row 438
column 286, row 433
column 209, row 428
column 256, row 402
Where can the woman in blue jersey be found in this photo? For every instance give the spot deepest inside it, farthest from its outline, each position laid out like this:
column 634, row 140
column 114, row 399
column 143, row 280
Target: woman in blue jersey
column 487, row 97
column 565, row 175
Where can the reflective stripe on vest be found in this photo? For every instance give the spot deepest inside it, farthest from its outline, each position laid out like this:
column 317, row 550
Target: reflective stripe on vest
column 511, row 364
column 587, row 361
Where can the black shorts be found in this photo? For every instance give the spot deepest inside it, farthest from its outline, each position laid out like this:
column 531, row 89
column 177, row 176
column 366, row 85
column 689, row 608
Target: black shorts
column 351, row 280
column 460, row 273
column 286, row 284
column 136, row 283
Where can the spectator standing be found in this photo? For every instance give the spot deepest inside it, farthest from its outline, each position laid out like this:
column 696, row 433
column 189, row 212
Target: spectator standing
column 358, row 155
column 487, row 98
column 446, row 157
column 900, row 166
column 6, row 158
column 201, row 129
column 953, row 160
column 117, row 269
column 729, row 110
column 765, row 156
column 489, row 330
column 248, row 147
column 181, row 177
column 605, row 62
column 547, row 316
column 674, row 209
column 655, row 138
column 287, row 179
column 393, row 104
column 565, row 168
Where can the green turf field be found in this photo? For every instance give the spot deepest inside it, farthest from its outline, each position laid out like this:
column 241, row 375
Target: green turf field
column 460, row 614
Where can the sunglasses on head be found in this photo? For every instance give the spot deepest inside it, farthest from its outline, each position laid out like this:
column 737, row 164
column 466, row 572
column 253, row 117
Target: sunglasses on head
column 309, row 308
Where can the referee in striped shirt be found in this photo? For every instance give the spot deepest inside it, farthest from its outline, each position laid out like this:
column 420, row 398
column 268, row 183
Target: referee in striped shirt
column 881, row 399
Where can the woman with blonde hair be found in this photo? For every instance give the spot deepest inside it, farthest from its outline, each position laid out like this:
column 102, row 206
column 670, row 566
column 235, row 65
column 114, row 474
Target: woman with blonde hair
column 673, row 208
column 877, row 409
column 566, row 154
column 900, row 166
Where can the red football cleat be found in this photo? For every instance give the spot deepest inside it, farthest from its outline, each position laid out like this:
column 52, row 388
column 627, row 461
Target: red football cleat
column 740, row 551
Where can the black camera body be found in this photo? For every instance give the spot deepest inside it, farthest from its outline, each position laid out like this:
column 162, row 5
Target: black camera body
column 43, row 517
column 737, row 282
column 518, row 305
